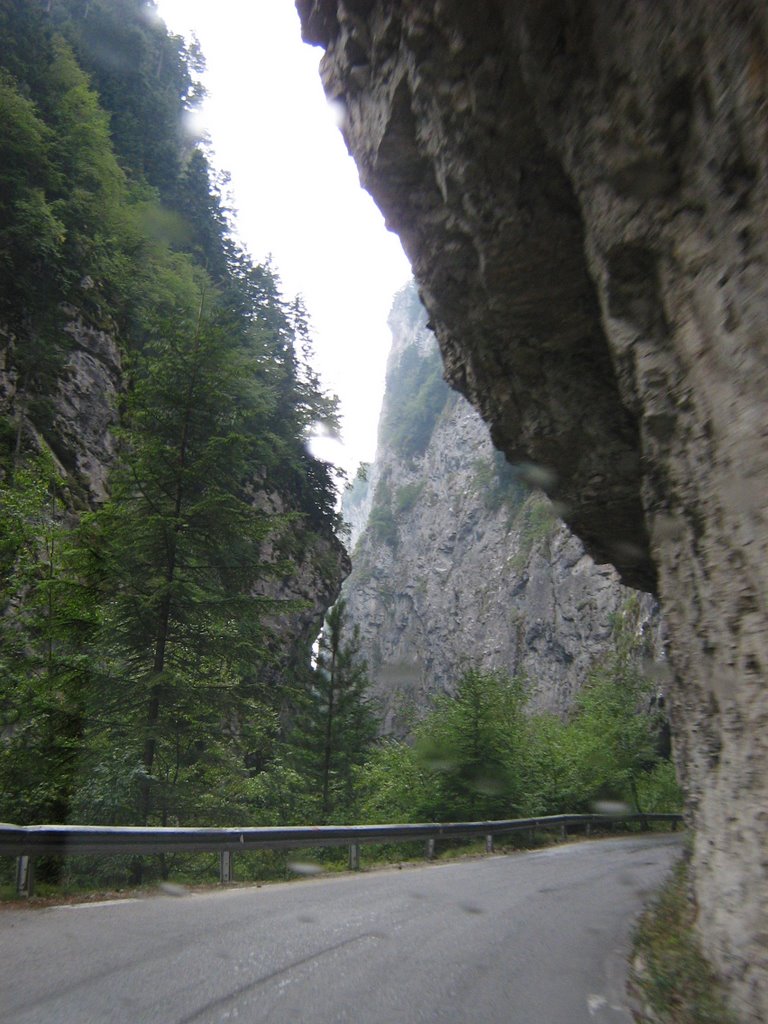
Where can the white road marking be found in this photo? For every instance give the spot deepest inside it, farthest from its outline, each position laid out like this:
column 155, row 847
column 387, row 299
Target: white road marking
column 100, row 903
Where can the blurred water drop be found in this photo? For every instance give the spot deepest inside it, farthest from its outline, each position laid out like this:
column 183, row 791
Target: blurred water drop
column 439, row 764
column 560, row 509
column 659, row 672
column 324, row 442
column 627, row 551
column 338, row 111
column 610, row 807
column 171, row 889
column 304, row 867
column 487, row 784
column 536, row 475
column 193, row 125
column 667, row 528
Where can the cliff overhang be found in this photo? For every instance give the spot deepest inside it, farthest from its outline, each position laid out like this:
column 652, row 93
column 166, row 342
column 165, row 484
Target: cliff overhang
column 582, row 190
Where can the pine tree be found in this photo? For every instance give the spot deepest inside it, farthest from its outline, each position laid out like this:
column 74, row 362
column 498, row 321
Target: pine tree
column 336, row 724
column 474, row 741
column 616, row 730
column 46, row 620
column 181, row 548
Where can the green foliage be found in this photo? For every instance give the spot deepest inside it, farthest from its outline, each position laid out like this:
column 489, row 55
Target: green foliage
column 407, row 496
column 659, row 791
column 146, row 78
column 335, row 721
column 134, row 641
column 180, row 554
column 616, row 727
column 478, row 754
column 473, row 743
column 394, row 785
column 45, row 621
column 416, row 395
column 668, row 969
column 499, row 483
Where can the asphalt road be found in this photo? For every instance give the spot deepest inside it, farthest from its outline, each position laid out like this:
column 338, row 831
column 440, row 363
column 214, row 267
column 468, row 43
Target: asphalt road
column 534, row 938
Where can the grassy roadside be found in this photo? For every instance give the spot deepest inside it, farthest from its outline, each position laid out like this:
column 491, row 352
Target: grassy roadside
column 90, row 880
column 670, row 980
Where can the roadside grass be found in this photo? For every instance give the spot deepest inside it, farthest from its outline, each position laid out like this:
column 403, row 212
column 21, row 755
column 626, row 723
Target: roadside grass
column 85, row 879
column 669, row 976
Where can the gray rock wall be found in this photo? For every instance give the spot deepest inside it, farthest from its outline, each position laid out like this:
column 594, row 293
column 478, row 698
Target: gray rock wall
column 582, row 189
column 477, row 572
column 84, row 403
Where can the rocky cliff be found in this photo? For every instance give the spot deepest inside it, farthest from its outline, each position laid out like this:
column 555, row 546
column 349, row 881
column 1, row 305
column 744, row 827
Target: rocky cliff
column 582, row 189
column 77, row 414
column 459, row 562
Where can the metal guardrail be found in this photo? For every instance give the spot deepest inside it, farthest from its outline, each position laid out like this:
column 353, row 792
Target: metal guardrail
column 31, row 841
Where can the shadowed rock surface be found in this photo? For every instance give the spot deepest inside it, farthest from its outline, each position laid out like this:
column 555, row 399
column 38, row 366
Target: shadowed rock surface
column 581, row 189
column 84, row 413
column 457, row 562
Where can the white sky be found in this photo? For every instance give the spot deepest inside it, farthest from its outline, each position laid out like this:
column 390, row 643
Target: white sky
column 297, row 196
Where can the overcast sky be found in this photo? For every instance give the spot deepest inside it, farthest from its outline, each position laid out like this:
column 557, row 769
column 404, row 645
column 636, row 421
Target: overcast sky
column 297, row 194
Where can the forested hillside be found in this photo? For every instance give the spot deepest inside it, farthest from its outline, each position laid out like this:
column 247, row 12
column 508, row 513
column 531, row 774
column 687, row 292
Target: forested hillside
column 167, row 542
column 168, row 545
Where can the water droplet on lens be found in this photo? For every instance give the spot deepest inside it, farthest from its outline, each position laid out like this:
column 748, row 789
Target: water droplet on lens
column 171, row 889
column 299, row 867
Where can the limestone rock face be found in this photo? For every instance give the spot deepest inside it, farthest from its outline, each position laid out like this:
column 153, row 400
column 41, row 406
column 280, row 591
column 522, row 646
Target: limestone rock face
column 84, row 409
column 83, row 406
column 582, row 190
column 473, row 568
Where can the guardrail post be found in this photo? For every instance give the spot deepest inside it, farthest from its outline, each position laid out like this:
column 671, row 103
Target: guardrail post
column 354, row 857
column 429, row 851
column 588, row 829
column 225, row 867
column 489, row 843
column 563, row 831
column 25, row 876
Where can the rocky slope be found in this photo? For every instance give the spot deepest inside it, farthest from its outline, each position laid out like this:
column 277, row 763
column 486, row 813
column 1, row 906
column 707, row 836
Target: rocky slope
column 582, row 189
column 459, row 562
column 83, row 412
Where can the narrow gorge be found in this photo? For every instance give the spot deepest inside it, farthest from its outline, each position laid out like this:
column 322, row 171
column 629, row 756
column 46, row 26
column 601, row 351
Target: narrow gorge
column 582, row 189
column 457, row 560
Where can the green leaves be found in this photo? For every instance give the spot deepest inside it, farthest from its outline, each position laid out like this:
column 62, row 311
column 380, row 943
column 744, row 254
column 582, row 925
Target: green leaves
column 134, row 639
column 335, row 724
column 473, row 742
column 480, row 754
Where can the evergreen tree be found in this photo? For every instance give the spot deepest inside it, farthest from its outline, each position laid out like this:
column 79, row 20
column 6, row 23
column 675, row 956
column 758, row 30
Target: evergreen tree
column 180, row 549
column 336, row 724
column 132, row 644
column 615, row 733
column 474, row 741
column 46, row 620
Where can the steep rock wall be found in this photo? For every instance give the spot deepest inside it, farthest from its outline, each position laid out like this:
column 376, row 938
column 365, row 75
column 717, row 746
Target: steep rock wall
column 582, row 189
column 83, row 412
column 460, row 563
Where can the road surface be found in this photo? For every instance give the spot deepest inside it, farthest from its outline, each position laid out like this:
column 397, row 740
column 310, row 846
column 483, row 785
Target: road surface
column 531, row 938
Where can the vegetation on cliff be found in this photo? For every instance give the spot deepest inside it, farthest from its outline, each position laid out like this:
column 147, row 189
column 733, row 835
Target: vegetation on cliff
column 479, row 754
column 135, row 631
column 138, row 639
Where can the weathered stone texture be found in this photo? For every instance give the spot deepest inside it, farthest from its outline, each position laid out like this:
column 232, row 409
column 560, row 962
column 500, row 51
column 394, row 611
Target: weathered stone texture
column 474, row 575
column 85, row 412
column 582, row 189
